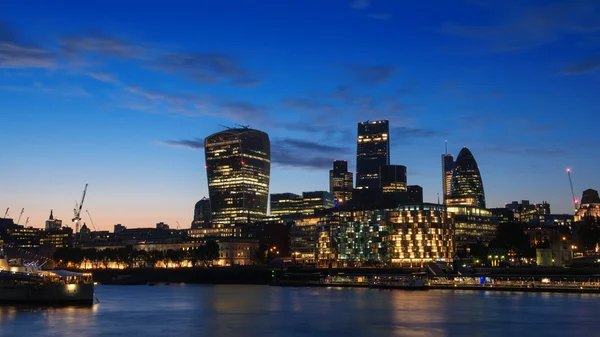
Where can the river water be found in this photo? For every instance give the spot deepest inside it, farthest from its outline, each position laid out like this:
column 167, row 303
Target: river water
column 232, row 310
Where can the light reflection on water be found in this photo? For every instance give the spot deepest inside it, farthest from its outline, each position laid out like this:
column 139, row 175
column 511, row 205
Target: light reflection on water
column 192, row 310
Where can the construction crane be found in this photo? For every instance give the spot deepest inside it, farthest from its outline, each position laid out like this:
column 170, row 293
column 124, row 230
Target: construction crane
column 6, row 213
column 26, row 222
column 575, row 202
column 177, row 224
column 92, row 221
column 20, row 215
column 77, row 210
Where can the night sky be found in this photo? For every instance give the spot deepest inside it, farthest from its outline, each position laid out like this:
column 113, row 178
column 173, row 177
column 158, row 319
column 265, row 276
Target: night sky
column 120, row 94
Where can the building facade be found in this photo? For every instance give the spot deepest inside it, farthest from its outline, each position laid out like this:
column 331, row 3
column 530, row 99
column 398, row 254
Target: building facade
column 341, row 181
column 238, row 166
column 467, row 186
column 373, row 152
column 473, row 226
column 393, row 179
column 589, row 206
column 315, row 201
column 286, row 204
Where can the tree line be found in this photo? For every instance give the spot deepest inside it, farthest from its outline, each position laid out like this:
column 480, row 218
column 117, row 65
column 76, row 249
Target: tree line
column 131, row 257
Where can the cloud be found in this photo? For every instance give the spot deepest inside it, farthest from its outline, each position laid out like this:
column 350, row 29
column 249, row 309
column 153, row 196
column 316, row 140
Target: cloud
column 587, row 66
column 408, row 132
column 105, row 45
column 14, row 54
column 240, row 110
column 527, row 151
column 371, row 74
column 205, row 68
column 359, row 4
column 380, row 16
column 308, row 104
column 104, row 77
column 307, row 154
column 193, row 144
column 529, row 26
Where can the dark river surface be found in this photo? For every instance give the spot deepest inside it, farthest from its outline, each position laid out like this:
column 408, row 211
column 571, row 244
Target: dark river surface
column 232, row 310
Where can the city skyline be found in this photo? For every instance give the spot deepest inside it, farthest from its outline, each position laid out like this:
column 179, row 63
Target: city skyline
column 121, row 104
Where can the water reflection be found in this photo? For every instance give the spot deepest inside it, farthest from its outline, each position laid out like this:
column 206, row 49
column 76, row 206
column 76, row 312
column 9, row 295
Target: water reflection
column 271, row 311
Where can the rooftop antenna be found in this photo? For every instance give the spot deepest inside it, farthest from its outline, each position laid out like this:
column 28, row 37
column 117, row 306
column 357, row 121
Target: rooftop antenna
column 225, row 127
column 244, row 126
column 438, row 198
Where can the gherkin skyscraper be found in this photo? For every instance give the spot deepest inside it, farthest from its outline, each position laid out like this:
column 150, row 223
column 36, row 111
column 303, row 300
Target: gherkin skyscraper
column 466, row 186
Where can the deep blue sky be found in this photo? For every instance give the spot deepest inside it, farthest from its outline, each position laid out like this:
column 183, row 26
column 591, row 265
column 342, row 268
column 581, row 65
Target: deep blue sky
column 120, row 94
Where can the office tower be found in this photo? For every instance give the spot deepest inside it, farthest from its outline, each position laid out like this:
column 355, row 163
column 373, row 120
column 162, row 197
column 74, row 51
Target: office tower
column 393, row 178
column 341, row 181
column 202, row 214
column 373, row 152
column 447, row 169
column 286, row 204
column 238, row 165
column 312, row 202
column 466, row 187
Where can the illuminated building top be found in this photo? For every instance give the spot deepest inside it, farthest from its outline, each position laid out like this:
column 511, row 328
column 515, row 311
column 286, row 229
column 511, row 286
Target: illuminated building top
column 373, row 151
column 466, row 186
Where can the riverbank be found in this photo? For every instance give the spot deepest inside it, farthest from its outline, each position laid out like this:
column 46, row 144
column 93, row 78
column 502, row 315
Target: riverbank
column 506, row 288
column 215, row 275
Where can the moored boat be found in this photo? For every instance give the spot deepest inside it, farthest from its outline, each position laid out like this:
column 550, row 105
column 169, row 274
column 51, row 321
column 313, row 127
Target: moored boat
column 26, row 283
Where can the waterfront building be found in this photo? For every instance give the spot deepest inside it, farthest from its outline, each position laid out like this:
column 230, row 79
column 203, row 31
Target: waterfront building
column 341, row 181
column 559, row 254
column 202, row 214
column 473, row 226
column 315, row 201
column 286, row 204
column 24, row 237
column 407, row 235
column 203, row 234
column 466, row 188
column 589, row 205
column 447, row 169
column 303, row 240
column 373, row 152
column 238, row 165
column 236, row 252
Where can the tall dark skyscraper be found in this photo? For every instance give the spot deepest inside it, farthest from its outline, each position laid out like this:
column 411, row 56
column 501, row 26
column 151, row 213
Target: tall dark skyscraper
column 202, row 214
column 393, row 178
column 238, row 166
column 447, row 169
column 373, row 152
column 466, row 187
column 341, row 181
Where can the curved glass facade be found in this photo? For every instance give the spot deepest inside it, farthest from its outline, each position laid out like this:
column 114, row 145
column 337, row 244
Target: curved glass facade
column 238, row 166
column 466, row 187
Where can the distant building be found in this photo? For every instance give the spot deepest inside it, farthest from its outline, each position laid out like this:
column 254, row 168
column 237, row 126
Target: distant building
column 447, row 169
column 589, row 206
column 415, row 194
column 53, row 223
column 162, row 225
column 238, row 166
column 341, row 181
column 202, row 214
column 373, row 152
column 466, row 188
column 57, row 237
column 312, row 202
column 393, row 178
column 118, row 228
column 285, row 204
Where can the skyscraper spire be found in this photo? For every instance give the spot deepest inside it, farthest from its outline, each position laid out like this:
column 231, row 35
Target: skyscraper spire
column 51, row 216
